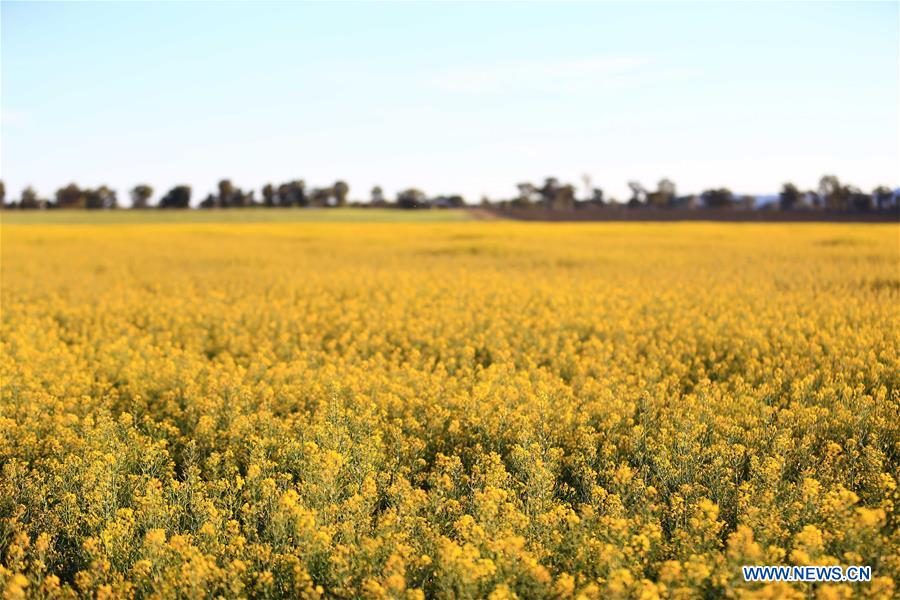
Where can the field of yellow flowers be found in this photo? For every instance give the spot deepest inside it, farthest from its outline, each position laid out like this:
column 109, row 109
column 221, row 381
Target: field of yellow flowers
column 447, row 410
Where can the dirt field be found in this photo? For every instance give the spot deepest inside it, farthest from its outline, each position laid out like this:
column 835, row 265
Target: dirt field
column 735, row 216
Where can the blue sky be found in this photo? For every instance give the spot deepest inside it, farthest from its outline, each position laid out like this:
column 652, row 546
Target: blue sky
column 448, row 97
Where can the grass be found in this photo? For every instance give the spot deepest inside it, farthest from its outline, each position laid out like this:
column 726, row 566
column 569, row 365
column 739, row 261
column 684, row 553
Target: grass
column 247, row 215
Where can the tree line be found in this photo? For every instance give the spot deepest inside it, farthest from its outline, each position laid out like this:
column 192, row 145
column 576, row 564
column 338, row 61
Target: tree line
column 831, row 195
column 289, row 194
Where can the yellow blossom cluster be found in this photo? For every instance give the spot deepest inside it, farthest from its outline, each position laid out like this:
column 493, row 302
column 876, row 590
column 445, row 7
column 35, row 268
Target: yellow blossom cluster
column 447, row 410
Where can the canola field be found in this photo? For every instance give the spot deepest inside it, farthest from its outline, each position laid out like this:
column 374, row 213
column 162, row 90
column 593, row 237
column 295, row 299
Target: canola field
column 447, row 410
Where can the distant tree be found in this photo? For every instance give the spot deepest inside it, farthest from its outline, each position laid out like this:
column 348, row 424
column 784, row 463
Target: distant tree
column 321, row 197
column 340, row 190
column 564, row 197
column 211, row 201
column 657, row 200
column 2, row 194
column 554, row 195
column 92, row 200
column 29, row 199
column 299, row 192
column 829, row 186
column 688, row 202
column 834, row 195
column 790, row 197
column 377, row 196
column 717, row 198
column 883, row 196
column 597, row 197
column 284, row 195
column 411, row 198
column 226, row 193
column 140, row 196
column 638, row 193
column 666, row 186
column 268, row 194
column 292, row 193
column 588, row 187
column 100, row 198
column 178, row 197
column 528, row 195
column 814, row 199
column 859, row 200
column 109, row 197
column 549, row 191
column 229, row 196
column 70, row 196
column 240, row 198
column 664, row 194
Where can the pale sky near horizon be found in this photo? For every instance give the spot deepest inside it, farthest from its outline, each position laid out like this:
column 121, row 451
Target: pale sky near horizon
column 448, row 97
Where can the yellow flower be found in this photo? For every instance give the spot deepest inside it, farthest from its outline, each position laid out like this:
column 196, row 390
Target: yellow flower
column 461, row 410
